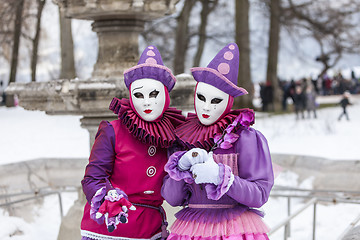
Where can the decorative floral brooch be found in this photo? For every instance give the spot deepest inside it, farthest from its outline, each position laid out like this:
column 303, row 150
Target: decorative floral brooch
column 225, row 140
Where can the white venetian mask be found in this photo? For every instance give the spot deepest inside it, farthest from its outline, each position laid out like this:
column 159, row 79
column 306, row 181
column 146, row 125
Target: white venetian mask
column 210, row 103
column 148, row 98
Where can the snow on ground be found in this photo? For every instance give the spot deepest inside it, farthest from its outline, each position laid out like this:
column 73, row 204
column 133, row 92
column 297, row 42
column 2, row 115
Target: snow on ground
column 331, row 218
column 322, row 137
column 45, row 224
column 27, row 135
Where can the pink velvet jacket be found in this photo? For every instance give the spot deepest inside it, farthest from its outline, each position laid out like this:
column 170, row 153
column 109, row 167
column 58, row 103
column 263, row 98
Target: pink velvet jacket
column 134, row 167
column 131, row 153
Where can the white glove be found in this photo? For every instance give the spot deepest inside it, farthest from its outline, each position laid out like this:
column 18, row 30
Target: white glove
column 98, row 215
column 191, row 157
column 208, row 172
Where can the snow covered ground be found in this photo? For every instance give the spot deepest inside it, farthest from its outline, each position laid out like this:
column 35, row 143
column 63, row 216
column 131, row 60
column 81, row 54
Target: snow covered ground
column 27, row 135
column 322, row 137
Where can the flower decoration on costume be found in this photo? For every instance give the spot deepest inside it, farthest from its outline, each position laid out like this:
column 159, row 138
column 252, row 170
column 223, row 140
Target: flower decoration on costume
column 225, row 140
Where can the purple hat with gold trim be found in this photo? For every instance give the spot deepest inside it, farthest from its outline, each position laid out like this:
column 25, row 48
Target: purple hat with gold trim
column 150, row 65
column 222, row 71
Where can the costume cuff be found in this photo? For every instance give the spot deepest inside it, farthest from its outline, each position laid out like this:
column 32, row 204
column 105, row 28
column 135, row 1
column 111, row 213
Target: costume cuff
column 96, row 203
column 174, row 172
column 226, row 180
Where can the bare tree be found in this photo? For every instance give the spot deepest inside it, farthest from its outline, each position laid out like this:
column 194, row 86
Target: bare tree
column 333, row 25
column 182, row 37
column 27, row 20
column 243, row 41
column 165, row 33
column 273, row 50
column 35, row 40
column 16, row 39
column 7, row 15
column 207, row 7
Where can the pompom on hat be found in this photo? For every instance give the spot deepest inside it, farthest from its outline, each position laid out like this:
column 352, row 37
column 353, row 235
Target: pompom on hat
column 150, row 65
column 222, row 71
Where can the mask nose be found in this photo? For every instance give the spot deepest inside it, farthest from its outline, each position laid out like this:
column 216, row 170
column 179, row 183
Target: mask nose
column 207, row 106
column 146, row 102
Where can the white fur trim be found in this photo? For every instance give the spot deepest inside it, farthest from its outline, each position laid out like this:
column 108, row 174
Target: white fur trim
column 98, row 236
column 98, row 191
column 231, row 181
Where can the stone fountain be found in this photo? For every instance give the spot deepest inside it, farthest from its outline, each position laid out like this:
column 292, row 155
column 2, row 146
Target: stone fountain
column 118, row 24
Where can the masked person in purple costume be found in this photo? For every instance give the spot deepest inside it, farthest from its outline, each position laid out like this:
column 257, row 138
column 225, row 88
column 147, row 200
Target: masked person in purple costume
column 129, row 155
column 227, row 171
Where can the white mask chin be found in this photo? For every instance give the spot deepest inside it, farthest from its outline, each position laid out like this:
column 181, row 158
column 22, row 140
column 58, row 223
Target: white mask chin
column 210, row 103
column 148, row 98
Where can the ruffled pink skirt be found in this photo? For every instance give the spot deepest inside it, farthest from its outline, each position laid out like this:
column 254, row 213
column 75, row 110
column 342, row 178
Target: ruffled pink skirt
column 245, row 226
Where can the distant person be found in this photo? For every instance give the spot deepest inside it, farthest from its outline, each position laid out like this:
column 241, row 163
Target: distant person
column 310, row 96
column 327, row 83
column 266, row 94
column 344, row 103
column 299, row 102
column 2, row 94
column 354, row 83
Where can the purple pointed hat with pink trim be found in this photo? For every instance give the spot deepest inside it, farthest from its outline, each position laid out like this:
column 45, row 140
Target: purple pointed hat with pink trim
column 222, row 71
column 150, row 65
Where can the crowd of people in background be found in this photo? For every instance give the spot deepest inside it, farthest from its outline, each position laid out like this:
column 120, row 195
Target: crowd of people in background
column 303, row 92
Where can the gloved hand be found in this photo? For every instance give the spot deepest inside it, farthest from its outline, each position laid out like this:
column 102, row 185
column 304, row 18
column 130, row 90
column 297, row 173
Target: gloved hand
column 207, row 172
column 191, row 157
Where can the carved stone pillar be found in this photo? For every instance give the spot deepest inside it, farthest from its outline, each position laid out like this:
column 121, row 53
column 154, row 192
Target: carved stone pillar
column 92, row 124
column 118, row 46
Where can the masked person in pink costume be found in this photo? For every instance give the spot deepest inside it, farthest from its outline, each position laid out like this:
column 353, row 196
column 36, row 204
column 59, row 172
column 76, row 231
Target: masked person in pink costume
column 130, row 153
column 227, row 171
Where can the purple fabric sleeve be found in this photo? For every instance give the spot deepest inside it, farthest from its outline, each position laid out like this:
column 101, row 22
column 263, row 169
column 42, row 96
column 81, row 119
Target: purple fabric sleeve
column 174, row 189
column 101, row 160
column 174, row 172
column 176, row 193
column 252, row 186
column 216, row 192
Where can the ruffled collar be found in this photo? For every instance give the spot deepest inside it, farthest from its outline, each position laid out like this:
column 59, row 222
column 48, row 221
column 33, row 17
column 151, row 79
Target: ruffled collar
column 194, row 134
column 160, row 133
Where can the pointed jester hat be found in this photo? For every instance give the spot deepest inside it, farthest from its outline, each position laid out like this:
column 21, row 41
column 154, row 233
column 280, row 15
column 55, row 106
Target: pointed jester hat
column 151, row 66
column 222, row 71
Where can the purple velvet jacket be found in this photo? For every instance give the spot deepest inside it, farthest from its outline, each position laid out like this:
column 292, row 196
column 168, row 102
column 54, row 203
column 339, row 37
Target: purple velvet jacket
column 248, row 160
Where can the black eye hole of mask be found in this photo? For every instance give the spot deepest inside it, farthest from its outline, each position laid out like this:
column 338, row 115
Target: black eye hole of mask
column 138, row 95
column 201, row 97
column 216, row 100
column 154, row 94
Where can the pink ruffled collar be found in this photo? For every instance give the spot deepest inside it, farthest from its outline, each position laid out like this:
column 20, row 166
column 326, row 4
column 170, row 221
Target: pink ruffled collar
column 160, row 133
column 194, row 134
